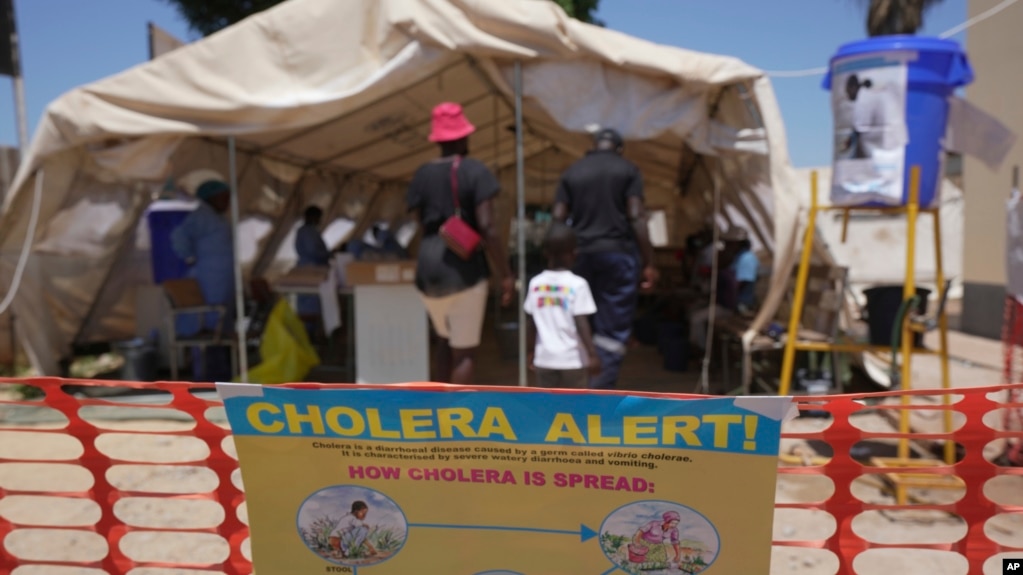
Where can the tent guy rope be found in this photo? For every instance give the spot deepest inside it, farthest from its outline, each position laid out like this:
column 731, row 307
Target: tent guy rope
column 26, row 247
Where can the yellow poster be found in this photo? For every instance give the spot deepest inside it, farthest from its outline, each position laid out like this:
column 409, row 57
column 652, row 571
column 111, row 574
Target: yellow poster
column 461, row 481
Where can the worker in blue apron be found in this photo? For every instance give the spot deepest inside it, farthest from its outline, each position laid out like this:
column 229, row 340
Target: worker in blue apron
column 204, row 240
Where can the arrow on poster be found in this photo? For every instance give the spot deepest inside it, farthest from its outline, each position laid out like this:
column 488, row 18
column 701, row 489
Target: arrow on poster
column 584, row 532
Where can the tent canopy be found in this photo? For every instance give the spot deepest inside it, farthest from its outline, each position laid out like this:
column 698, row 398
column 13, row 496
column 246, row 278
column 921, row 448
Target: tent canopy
column 329, row 103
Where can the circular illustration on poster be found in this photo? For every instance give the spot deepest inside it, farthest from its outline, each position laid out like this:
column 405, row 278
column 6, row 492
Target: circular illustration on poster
column 352, row 525
column 659, row 538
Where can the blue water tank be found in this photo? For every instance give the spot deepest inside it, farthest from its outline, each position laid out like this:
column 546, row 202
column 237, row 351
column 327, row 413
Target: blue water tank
column 936, row 68
column 163, row 218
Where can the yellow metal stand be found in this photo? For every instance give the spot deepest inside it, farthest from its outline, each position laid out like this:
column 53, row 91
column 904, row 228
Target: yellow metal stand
column 902, row 480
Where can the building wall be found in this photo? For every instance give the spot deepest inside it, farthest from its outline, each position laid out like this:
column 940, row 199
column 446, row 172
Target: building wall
column 994, row 46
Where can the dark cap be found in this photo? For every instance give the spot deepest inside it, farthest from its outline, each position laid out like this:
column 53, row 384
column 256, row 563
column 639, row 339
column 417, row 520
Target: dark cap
column 211, row 189
column 608, row 135
column 313, row 212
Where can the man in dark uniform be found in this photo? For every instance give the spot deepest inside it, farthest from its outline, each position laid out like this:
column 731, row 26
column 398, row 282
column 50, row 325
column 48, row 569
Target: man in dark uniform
column 601, row 197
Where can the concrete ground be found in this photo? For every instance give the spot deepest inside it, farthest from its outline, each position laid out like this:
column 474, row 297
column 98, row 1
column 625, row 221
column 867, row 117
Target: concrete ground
column 974, row 362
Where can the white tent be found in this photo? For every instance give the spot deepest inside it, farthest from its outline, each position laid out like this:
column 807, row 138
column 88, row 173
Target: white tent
column 9, row 158
column 329, row 102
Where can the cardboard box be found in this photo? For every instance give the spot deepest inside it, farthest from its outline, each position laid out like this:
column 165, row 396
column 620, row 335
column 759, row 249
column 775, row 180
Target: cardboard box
column 381, row 273
column 303, row 277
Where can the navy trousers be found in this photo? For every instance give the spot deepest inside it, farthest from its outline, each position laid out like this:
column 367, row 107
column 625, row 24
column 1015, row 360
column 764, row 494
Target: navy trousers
column 214, row 367
column 614, row 281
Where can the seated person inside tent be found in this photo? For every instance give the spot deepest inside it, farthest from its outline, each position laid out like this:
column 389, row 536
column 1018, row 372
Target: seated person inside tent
column 738, row 269
column 205, row 242
column 309, row 244
column 746, row 267
column 312, row 252
column 699, row 254
column 379, row 244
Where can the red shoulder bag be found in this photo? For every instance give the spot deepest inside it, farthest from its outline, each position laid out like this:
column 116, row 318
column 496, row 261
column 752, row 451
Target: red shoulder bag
column 458, row 235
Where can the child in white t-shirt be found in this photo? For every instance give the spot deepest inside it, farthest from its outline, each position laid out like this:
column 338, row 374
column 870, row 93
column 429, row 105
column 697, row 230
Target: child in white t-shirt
column 559, row 304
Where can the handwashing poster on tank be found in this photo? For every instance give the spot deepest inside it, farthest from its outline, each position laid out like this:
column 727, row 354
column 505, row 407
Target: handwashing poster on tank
column 868, row 99
column 458, row 481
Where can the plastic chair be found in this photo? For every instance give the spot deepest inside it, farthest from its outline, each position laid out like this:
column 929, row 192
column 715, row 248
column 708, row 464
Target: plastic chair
column 185, row 298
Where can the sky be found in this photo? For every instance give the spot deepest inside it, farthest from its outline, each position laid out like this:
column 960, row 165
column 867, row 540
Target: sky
column 67, row 43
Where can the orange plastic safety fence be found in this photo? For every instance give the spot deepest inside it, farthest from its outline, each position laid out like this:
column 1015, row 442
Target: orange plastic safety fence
column 132, row 533
column 1012, row 344
column 979, row 439
column 133, row 482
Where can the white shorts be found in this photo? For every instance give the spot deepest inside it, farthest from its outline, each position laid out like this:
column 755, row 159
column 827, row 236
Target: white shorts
column 458, row 317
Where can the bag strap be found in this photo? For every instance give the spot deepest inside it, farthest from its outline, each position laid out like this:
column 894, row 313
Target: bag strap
column 454, row 185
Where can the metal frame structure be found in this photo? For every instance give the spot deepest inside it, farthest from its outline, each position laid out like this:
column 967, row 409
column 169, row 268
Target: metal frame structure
column 911, row 210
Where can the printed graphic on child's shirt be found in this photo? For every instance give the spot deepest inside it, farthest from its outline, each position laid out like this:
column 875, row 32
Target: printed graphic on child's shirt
column 553, row 296
column 556, row 298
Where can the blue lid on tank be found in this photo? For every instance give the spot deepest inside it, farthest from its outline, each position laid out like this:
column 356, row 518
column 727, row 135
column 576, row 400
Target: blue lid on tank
column 959, row 74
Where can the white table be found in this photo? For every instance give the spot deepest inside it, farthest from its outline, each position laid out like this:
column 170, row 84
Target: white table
column 315, row 282
column 392, row 342
column 390, row 331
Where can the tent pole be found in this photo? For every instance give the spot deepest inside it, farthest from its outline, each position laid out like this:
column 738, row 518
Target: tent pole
column 239, row 291
column 272, row 245
column 5, row 179
column 520, row 230
column 712, row 309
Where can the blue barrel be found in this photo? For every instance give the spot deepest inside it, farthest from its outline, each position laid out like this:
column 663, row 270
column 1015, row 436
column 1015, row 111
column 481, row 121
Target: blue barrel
column 940, row 66
column 166, row 264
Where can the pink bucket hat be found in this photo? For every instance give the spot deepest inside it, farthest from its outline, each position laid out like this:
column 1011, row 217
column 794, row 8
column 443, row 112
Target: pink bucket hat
column 671, row 516
column 449, row 123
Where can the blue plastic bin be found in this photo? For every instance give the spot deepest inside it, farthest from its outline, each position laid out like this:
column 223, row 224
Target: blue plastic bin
column 939, row 68
column 166, row 264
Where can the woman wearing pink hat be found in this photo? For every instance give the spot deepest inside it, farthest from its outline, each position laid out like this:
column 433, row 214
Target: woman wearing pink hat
column 454, row 287
column 651, row 542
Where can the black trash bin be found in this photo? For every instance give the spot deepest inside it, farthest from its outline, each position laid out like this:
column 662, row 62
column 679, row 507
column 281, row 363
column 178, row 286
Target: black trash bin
column 508, row 339
column 673, row 345
column 883, row 305
column 668, row 334
column 139, row 360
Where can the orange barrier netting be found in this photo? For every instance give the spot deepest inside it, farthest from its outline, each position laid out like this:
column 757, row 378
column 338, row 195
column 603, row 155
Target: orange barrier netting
column 110, row 526
column 1012, row 370
column 981, row 410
